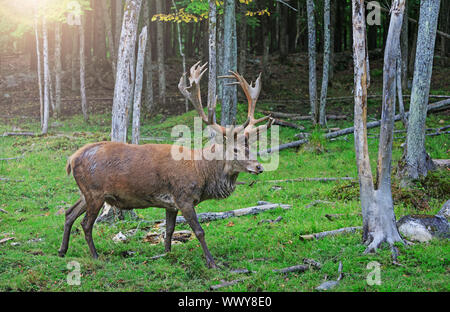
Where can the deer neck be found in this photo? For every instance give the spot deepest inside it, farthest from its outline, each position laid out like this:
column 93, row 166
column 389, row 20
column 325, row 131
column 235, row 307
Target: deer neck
column 219, row 179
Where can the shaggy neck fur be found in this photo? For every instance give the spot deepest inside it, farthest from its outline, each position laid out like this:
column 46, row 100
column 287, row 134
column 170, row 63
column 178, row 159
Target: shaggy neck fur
column 220, row 181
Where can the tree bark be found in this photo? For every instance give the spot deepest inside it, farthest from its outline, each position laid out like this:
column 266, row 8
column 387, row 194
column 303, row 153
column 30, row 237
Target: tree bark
column 326, row 63
column 39, row 70
column 125, row 71
column 74, row 53
column 160, row 44
column 212, row 78
column 108, row 26
column 229, row 100
column 312, row 61
column 242, row 39
column 46, row 110
column 148, row 69
column 138, row 86
column 58, row 69
column 417, row 161
column 84, row 105
column 118, row 23
column 377, row 206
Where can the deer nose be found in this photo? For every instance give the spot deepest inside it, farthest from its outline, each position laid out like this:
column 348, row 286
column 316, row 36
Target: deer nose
column 259, row 168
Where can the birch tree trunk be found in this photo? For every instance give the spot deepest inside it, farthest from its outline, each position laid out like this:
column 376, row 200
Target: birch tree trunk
column 212, row 74
column 109, row 33
column 326, row 63
column 379, row 224
column 148, row 68
column 312, row 61
column 125, row 71
column 160, row 44
column 229, row 100
column 39, row 70
column 84, row 105
column 46, row 110
column 138, row 86
column 404, row 49
column 58, row 67
column 417, row 162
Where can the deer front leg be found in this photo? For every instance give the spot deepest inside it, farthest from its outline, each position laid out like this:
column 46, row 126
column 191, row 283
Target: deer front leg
column 171, row 217
column 191, row 218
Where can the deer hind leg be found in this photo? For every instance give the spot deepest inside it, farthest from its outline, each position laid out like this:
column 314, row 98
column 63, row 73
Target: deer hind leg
column 191, row 217
column 71, row 215
column 93, row 208
column 171, row 217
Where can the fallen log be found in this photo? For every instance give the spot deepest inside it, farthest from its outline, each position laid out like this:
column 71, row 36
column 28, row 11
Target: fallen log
column 19, row 134
column 284, row 123
column 300, row 117
column 330, row 233
column 373, row 124
column 212, row 216
column 295, row 268
column 12, row 180
column 12, row 158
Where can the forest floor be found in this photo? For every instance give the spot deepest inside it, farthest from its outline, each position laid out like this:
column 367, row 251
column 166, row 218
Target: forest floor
column 39, row 190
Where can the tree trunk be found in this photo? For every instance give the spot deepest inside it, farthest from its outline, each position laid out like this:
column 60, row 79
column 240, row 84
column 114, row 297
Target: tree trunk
column 160, row 44
column 125, row 71
column 312, row 61
column 417, row 162
column 266, row 49
column 242, row 39
column 58, row 69
column 212, row 78
column 326, row 63
column 74, row 58
column 183, row 57
column 84, row 105
column 118, row 23
column 39, row 70
column 404, row 49
column 377, row 206
column 99, row 35
column 148, row 69
column 229, row 100
column 109, row 33
column 138, row 86
column 46, row 109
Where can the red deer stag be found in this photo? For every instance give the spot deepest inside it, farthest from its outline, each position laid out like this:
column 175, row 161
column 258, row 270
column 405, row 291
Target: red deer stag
column 131, row 176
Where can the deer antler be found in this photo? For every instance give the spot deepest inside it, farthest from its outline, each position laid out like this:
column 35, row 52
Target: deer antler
column 195, row 97
column 251, row 91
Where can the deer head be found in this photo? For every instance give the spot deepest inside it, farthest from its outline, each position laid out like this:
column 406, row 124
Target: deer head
column 232, row 143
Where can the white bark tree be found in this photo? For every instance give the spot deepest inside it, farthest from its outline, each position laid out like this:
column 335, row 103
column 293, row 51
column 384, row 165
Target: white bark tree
column 212, row 78
column 379, row 223
column 125, row 71
column 312, row 61
column 416, row 161
column 46, row 110
column 326, row 63
column 39, row 70
column 229, row 100
column 138, row 86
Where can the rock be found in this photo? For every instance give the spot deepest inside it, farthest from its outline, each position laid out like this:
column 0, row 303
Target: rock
column 423, row 228
column 445, row 210
column 327, row 285
column 119, row 237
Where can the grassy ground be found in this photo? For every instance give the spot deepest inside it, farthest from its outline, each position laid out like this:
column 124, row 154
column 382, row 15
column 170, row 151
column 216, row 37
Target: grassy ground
column 33, row 203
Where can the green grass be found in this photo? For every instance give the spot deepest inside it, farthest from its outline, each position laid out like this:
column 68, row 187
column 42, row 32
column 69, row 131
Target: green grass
column 32, row 204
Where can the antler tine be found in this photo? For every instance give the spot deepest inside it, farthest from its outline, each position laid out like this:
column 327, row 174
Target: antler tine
column 196, row 73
